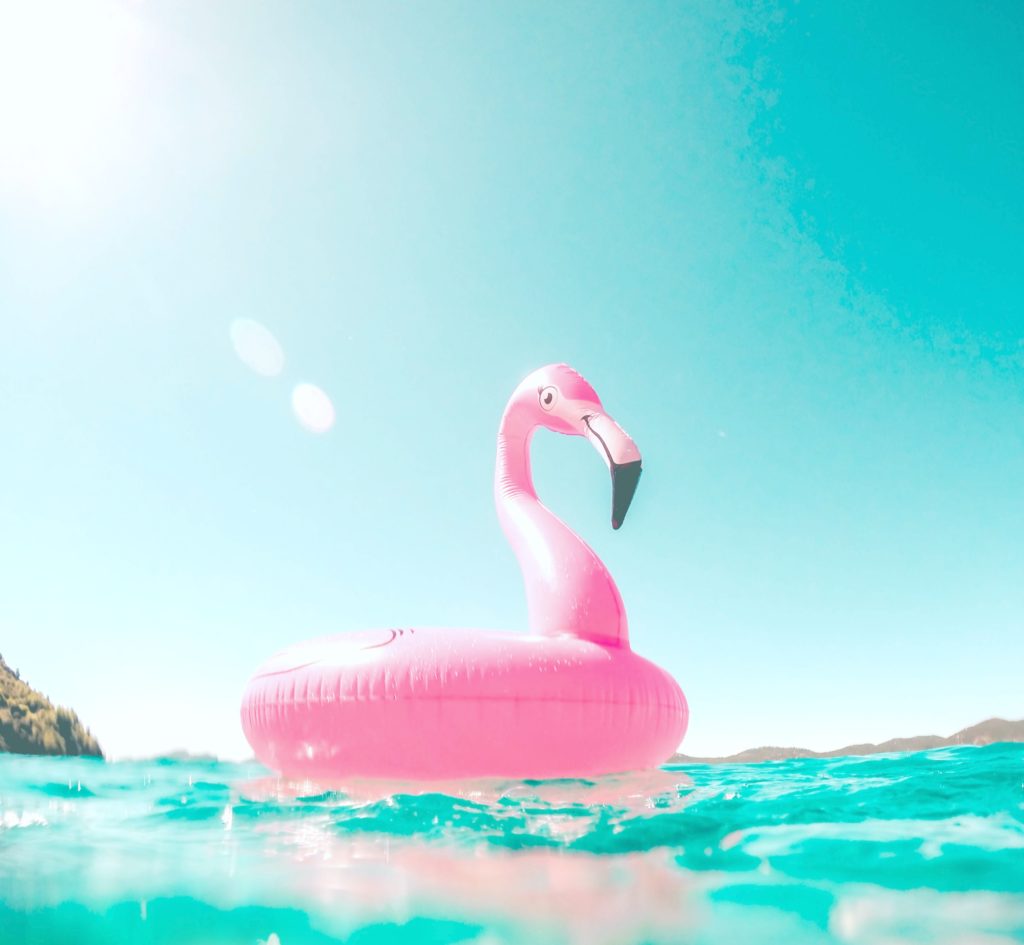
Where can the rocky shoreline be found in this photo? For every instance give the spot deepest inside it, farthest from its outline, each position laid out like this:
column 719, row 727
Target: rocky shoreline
column 30, row 724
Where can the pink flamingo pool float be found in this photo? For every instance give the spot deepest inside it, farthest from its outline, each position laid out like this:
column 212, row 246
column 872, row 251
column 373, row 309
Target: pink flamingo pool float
column 569, row 699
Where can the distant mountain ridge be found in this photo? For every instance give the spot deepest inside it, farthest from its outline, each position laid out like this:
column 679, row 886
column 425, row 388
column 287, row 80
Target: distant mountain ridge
column 984, row 733
column 30, row 724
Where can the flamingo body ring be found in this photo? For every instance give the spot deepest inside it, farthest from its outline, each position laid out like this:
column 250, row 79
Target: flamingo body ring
column 569, row 699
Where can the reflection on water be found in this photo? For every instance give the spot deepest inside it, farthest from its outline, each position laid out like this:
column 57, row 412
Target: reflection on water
column 905, row 848
column 634, row 792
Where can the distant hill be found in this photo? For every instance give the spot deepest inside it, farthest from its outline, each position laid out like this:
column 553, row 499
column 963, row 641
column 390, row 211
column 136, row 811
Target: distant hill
column 32, row 725
column 984, row 733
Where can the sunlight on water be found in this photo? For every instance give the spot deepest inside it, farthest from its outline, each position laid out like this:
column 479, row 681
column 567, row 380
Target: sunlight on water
column 902, row 848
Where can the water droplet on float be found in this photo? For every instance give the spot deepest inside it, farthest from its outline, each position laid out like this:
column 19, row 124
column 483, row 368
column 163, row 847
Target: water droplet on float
column 313, row 408
column 256, row 347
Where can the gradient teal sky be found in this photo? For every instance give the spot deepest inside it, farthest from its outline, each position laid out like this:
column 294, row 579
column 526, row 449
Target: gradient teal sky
column 784, row 243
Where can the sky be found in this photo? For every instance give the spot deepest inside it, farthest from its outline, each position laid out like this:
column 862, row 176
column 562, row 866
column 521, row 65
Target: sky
column 784, row 242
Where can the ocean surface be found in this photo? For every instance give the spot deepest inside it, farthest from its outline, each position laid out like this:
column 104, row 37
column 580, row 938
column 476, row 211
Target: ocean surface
column 924, row 847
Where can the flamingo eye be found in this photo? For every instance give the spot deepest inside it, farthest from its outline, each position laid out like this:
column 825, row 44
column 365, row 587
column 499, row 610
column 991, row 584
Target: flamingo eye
column 548, row 397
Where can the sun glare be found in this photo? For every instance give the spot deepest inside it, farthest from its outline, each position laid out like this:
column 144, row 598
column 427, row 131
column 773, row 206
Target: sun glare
column 67, row 81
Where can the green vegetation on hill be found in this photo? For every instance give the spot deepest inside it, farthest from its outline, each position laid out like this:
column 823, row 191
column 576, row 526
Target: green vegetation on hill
column 32, row 725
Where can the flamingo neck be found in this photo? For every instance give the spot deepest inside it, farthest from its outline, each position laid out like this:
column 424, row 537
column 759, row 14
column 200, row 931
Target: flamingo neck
column 568, row 589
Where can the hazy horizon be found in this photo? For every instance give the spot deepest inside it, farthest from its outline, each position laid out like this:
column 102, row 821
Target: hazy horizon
column 250, row 757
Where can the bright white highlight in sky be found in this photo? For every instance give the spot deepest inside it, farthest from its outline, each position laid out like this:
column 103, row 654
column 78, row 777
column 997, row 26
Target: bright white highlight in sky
column 66, row 79
column 313, row 408
column 256, row 347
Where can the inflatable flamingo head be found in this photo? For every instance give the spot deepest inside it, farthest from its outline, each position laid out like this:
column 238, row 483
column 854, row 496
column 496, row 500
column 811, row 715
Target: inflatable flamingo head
column 559, row 398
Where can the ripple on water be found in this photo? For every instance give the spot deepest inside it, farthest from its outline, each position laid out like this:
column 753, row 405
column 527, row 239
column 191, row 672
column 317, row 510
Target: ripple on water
column 927, row 847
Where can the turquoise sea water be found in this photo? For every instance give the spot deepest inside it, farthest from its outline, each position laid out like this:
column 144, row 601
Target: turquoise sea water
column 925, row 847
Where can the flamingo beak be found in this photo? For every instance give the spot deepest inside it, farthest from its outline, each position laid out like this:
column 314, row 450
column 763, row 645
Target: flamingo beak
column 624, row 481
column 622, row 457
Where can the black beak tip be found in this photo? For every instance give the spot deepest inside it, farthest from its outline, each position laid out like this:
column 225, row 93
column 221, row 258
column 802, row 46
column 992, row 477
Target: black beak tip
column 624, row 481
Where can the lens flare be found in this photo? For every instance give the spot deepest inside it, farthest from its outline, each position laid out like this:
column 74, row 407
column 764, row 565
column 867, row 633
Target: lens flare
column 313, row 408
column 256, row 347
